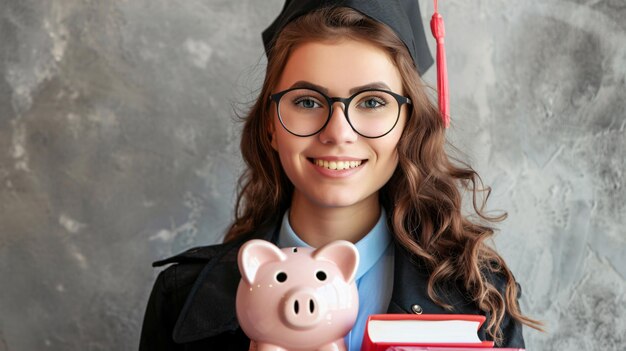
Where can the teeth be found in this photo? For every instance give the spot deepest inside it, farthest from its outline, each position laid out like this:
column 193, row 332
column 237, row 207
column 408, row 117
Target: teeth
column 338, row 165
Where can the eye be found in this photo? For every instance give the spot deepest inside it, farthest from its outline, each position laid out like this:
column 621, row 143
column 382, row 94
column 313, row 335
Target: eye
column 306, row 102
column 281, row 277
column 321, row 275
column 372, row 102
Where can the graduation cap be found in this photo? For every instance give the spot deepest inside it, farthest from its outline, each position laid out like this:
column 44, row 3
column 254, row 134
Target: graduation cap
column 402, row 16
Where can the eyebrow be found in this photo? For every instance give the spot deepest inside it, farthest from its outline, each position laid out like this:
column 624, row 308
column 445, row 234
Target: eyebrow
column 309, row 85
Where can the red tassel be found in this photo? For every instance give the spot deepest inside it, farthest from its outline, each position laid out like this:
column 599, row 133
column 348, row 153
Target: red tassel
column 439, row 32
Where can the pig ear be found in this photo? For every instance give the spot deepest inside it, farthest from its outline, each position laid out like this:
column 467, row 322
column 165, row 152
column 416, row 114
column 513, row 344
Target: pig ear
column 254, row 254
column 344, row 254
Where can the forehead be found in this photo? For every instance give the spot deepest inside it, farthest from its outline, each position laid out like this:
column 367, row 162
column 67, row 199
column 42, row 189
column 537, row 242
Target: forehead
column 339, row 66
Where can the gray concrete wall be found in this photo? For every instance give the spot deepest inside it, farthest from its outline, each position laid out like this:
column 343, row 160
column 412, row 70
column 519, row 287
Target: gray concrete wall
column 118, row 146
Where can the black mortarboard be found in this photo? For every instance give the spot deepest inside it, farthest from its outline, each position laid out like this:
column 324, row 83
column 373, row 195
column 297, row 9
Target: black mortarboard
column 402, row 16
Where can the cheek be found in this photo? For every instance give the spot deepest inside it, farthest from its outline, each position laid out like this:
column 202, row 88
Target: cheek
column 289, row 149
column 390, row 146
column 391, row 158
column 388, row 150
column 283, row 142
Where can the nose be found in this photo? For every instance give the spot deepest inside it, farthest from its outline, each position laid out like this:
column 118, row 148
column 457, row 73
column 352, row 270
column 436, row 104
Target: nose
column 303, row 309
column 338, row 129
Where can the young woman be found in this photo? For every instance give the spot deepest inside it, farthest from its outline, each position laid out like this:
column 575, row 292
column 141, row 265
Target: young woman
column 343, row 143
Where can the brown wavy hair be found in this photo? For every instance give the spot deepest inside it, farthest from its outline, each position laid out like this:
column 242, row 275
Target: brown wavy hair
column 422, row 198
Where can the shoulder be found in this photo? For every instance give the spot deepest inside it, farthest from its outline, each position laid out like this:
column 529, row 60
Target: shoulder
column 501, row 281
column 175, row 283
column 193, row 298
column 173, row 315
column 511, row 328
column 194, row 255
column 204, row 254
column 185, row 267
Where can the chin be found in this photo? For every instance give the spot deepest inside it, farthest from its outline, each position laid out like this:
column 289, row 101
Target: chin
column 337, row 200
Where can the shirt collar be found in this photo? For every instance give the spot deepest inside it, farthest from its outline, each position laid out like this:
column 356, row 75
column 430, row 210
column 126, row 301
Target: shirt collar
column 371, row 247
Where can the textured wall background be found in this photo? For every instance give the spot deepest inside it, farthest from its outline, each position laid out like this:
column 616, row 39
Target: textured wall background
column 118, row 147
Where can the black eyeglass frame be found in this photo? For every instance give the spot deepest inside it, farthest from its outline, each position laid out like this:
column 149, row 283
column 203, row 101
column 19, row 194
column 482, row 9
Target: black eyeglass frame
column 401, row 100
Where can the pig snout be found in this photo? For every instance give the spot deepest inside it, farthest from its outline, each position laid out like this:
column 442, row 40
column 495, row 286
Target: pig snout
column 303, row 309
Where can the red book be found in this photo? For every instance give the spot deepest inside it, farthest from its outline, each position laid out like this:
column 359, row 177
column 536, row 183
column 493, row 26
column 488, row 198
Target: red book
column 436, row 348
column 410, row 332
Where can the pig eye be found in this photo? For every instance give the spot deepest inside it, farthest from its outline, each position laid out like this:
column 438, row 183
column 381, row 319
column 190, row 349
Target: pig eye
column 281, row 277
column 321, row 275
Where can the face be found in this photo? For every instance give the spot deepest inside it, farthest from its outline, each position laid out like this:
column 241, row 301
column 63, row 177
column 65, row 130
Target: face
column 339, row 67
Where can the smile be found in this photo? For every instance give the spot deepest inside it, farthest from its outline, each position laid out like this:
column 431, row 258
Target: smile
column 337, row 164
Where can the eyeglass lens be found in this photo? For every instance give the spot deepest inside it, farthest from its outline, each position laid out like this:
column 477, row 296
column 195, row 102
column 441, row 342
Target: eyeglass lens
column 371, row 113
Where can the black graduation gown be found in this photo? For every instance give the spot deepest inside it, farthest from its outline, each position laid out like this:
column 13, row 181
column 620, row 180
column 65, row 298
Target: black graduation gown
column 192, row 304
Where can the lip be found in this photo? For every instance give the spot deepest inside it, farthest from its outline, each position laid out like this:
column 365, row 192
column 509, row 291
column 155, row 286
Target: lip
column 337, row 158
column 333, row 173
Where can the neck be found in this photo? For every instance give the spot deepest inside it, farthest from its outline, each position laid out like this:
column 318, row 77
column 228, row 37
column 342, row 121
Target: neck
column 318, row 225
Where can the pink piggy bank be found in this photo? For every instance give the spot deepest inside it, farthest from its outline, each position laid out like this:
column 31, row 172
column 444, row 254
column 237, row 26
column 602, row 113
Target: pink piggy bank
column 297, row 298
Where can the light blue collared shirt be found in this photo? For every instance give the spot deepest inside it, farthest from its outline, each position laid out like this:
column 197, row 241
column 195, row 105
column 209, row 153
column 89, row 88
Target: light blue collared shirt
column 374, row 277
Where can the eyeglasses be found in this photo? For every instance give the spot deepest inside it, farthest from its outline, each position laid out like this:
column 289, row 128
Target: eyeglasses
column 371, row 113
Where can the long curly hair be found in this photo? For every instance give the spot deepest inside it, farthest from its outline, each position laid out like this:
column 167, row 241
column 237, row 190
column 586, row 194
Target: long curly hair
column 423, row 197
